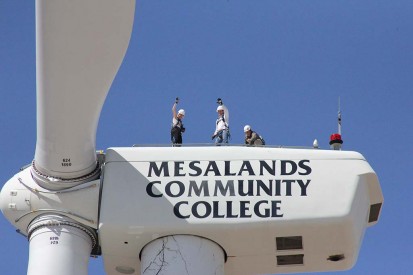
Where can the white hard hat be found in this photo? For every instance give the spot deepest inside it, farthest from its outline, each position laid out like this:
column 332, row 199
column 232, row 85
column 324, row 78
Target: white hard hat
column 247, row 128
column 220, row 107
column 181, row 112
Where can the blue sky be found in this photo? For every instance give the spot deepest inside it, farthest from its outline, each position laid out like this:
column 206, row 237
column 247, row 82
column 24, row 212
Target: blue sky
column 279, row 66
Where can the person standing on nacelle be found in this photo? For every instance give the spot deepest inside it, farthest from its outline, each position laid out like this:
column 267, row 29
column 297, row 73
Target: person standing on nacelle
column 221, row 134
column 177, row 125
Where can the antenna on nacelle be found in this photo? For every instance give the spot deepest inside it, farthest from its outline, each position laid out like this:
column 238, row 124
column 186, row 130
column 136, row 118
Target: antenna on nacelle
column 335, row 139
column 339, row 117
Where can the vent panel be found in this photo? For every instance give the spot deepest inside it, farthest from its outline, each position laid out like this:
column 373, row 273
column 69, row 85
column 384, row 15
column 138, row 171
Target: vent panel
column 374, row 212
column 297, row 259
column 289, row 243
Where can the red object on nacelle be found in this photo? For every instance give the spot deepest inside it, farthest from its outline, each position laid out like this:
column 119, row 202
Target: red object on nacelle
column 335, row 138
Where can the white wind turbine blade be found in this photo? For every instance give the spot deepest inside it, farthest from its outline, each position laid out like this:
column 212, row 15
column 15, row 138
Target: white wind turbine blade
column 80, row 45
column 59, row 246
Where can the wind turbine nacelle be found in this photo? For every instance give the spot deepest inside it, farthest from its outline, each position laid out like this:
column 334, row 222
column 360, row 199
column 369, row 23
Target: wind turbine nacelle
column 270, row 209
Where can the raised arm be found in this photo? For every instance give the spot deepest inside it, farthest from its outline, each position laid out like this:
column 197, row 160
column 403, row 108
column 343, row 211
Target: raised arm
column 174, row 107
column 174, row 110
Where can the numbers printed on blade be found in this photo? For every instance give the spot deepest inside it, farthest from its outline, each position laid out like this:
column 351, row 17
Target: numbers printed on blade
column 54, row 240
column 66, row 162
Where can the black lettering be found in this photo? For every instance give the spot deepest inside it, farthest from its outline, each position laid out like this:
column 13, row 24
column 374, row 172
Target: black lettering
column 306, row 168
column 198, row 171
column 177, row 212
column 163, row 168
column 149, row 190
column 284, row 170
column 288, row 187
column 262, row 186
column 257, row 211
column 228, row 169
column 202, row 189
column 277, row 188
column 178, row 169
column 215, row 207
column 223, row 190
column 275, row 208
column 207, row 209
column 250, row 191
column 246, row 166
column 169, row 187
column 244, row 207
column 212, row 167
column 270, row 170
column 229, row 210
column 303, row 187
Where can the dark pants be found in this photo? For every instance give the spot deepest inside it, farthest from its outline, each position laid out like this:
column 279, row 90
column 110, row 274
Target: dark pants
column 176, row 135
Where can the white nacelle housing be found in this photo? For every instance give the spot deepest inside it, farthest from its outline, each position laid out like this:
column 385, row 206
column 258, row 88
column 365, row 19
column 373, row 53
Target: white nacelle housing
column 272, row 210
